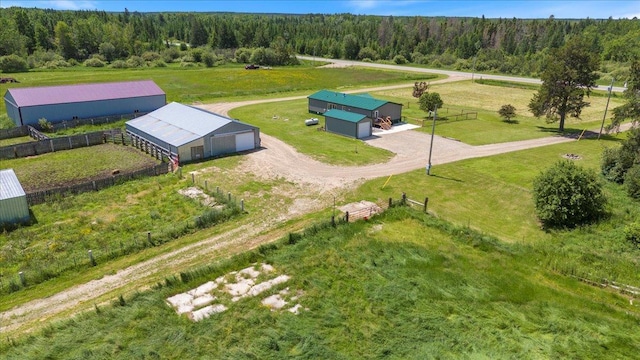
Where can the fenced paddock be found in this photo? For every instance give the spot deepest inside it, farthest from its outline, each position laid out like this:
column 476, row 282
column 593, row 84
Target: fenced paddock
column 39, row 197
column 52, row 145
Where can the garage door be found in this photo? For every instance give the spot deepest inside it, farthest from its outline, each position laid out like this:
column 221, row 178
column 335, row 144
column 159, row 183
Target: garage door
column 364, row 129
column 244, row 141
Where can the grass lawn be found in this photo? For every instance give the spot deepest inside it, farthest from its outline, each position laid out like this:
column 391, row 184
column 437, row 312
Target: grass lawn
column 403, row 285
column 321, row 145
column 61, row 168
column 200, row 84
column 16, row 140
column 486, row 100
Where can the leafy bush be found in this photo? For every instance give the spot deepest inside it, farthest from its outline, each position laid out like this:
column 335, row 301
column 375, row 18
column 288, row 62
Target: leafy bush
column 93, row 62
column 13, row 63
column 632, row 233
column 159, row 63
column 170, row 54
column 399, row 59
column 56, row 64
column 616, row 162
column 632, row 181
column 45, row 125
column 567, row 195
column 243, row 55
column 209, row 59
column 119, row 64
column 151, row 56
column 136, row 61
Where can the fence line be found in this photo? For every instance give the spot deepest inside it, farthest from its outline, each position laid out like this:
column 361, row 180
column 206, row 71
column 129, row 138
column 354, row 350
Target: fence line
column 39, row 197
column 13, row 132
column 52, row 145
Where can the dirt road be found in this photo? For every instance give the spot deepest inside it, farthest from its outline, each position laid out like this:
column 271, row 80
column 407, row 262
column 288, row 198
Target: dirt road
column 276, row 160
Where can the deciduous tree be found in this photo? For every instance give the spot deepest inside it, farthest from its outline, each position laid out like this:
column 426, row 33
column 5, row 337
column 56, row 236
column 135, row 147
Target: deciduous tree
column 507, row 112
column 567, row 195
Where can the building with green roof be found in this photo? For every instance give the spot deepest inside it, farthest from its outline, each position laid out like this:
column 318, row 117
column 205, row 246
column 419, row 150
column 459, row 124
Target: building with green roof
column 325, row 100
column 348, row 123
column 366, row 109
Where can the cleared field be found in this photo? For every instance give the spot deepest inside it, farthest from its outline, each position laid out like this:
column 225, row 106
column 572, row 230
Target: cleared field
column 486, row 100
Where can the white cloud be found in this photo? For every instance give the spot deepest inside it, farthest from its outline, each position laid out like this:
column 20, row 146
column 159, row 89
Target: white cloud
column 53, row 4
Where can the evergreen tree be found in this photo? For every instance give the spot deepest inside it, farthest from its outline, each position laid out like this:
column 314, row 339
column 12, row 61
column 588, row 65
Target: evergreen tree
column 569, row 74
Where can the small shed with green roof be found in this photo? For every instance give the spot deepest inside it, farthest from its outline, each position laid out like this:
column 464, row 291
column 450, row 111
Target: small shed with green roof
column 363, row 104
column 348, row 123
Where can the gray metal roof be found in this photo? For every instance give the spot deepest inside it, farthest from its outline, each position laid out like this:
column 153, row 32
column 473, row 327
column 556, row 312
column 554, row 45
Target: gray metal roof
column 9, row 185
column 179, row 124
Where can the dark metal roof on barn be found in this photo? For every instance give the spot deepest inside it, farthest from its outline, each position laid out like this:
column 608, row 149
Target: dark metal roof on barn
column 365, row 102
column 179, row 124
column 65, row 94
column 9, row 185
column 344, row 115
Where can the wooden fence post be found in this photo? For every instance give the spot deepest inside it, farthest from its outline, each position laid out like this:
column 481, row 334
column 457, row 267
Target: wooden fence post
column 346, row 216
column 390, row 202
column 242, row 205
column 426, row 202
column 23, row 281
column 93, row 261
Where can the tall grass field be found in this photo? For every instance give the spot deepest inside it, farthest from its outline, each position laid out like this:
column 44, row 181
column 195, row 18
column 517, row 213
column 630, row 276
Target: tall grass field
column 404, row 285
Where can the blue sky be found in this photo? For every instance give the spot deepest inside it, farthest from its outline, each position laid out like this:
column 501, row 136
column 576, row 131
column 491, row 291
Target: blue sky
column 471, row 8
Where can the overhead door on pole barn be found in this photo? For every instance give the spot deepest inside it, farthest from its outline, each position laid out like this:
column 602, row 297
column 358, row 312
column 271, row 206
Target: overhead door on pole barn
column 364, row 129
column 245, row 141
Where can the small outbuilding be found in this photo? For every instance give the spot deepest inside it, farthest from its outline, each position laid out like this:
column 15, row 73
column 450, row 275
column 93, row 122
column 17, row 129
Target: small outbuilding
column 187, row 133
column 26, row 106
column 14, row 208
column 347, row 123
column 364, row 104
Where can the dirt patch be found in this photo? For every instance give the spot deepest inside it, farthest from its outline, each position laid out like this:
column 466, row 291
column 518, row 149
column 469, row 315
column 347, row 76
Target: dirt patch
column 199, row 195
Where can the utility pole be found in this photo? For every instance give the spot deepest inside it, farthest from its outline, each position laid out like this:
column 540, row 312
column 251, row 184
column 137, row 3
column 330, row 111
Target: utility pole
column 433, row 130
column 606, row 108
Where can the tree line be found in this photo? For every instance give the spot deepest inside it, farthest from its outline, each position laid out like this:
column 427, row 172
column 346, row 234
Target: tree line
column 504, row 45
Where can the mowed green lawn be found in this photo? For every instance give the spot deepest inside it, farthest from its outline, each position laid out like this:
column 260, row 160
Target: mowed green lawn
column 403, row 285
column 466, row 96
column 285, row 121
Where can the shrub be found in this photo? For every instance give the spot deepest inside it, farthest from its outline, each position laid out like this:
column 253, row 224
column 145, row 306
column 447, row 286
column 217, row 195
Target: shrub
column 45, row 125
column 151, row 56
column 119, row 64
column 13, row 63
column 399, row 59
column 632, row 233
column 567, row 195
column 170, row 54
column 243, row 55
column 632, row 181
column 209, row 59
column 93, row 62
column 159, row 63
column 136, row 61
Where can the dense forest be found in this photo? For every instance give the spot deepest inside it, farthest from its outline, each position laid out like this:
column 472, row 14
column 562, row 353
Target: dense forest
column 53, row 38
